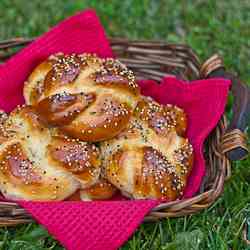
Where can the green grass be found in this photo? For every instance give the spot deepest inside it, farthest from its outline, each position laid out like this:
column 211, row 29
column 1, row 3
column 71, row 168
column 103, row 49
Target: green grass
column 208, row 26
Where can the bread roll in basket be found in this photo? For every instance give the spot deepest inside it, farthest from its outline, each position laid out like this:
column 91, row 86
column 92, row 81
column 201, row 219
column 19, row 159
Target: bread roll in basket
column 37, row 163
column 87, row 97
column 86, row 128
column 150, row 158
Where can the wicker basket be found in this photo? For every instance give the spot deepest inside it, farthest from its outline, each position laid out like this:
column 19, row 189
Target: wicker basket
column 153, row 60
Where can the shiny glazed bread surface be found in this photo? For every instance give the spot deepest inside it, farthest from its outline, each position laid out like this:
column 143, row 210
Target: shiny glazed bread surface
column 87, row 97
column 150, row 158
column 37, row 163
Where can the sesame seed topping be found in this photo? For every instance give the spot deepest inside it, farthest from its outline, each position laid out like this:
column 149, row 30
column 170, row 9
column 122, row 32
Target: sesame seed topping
column 114, row 67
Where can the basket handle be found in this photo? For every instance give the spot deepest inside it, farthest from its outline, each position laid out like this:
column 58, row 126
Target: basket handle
column 234, row 141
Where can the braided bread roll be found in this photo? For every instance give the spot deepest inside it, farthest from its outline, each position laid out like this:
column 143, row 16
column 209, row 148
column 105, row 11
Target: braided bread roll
column 87, row 97
column 150, row 158
column 38, row 164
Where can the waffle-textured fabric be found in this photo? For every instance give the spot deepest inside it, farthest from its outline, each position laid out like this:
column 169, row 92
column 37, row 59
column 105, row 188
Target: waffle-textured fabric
column 108, row 224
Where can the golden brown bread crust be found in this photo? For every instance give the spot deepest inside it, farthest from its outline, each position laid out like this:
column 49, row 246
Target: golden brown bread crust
column 161, row 118
column 37, row 164
column 85, row 96
column 150, row 158
column 62, row 109
column 75, row 196
column 77, row 157
column 33, row 88
column 104, row 120
column 102, row 190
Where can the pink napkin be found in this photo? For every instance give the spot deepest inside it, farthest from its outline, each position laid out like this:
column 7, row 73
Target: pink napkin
column 204, row 102
column 108, row 224
column 80, row 33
